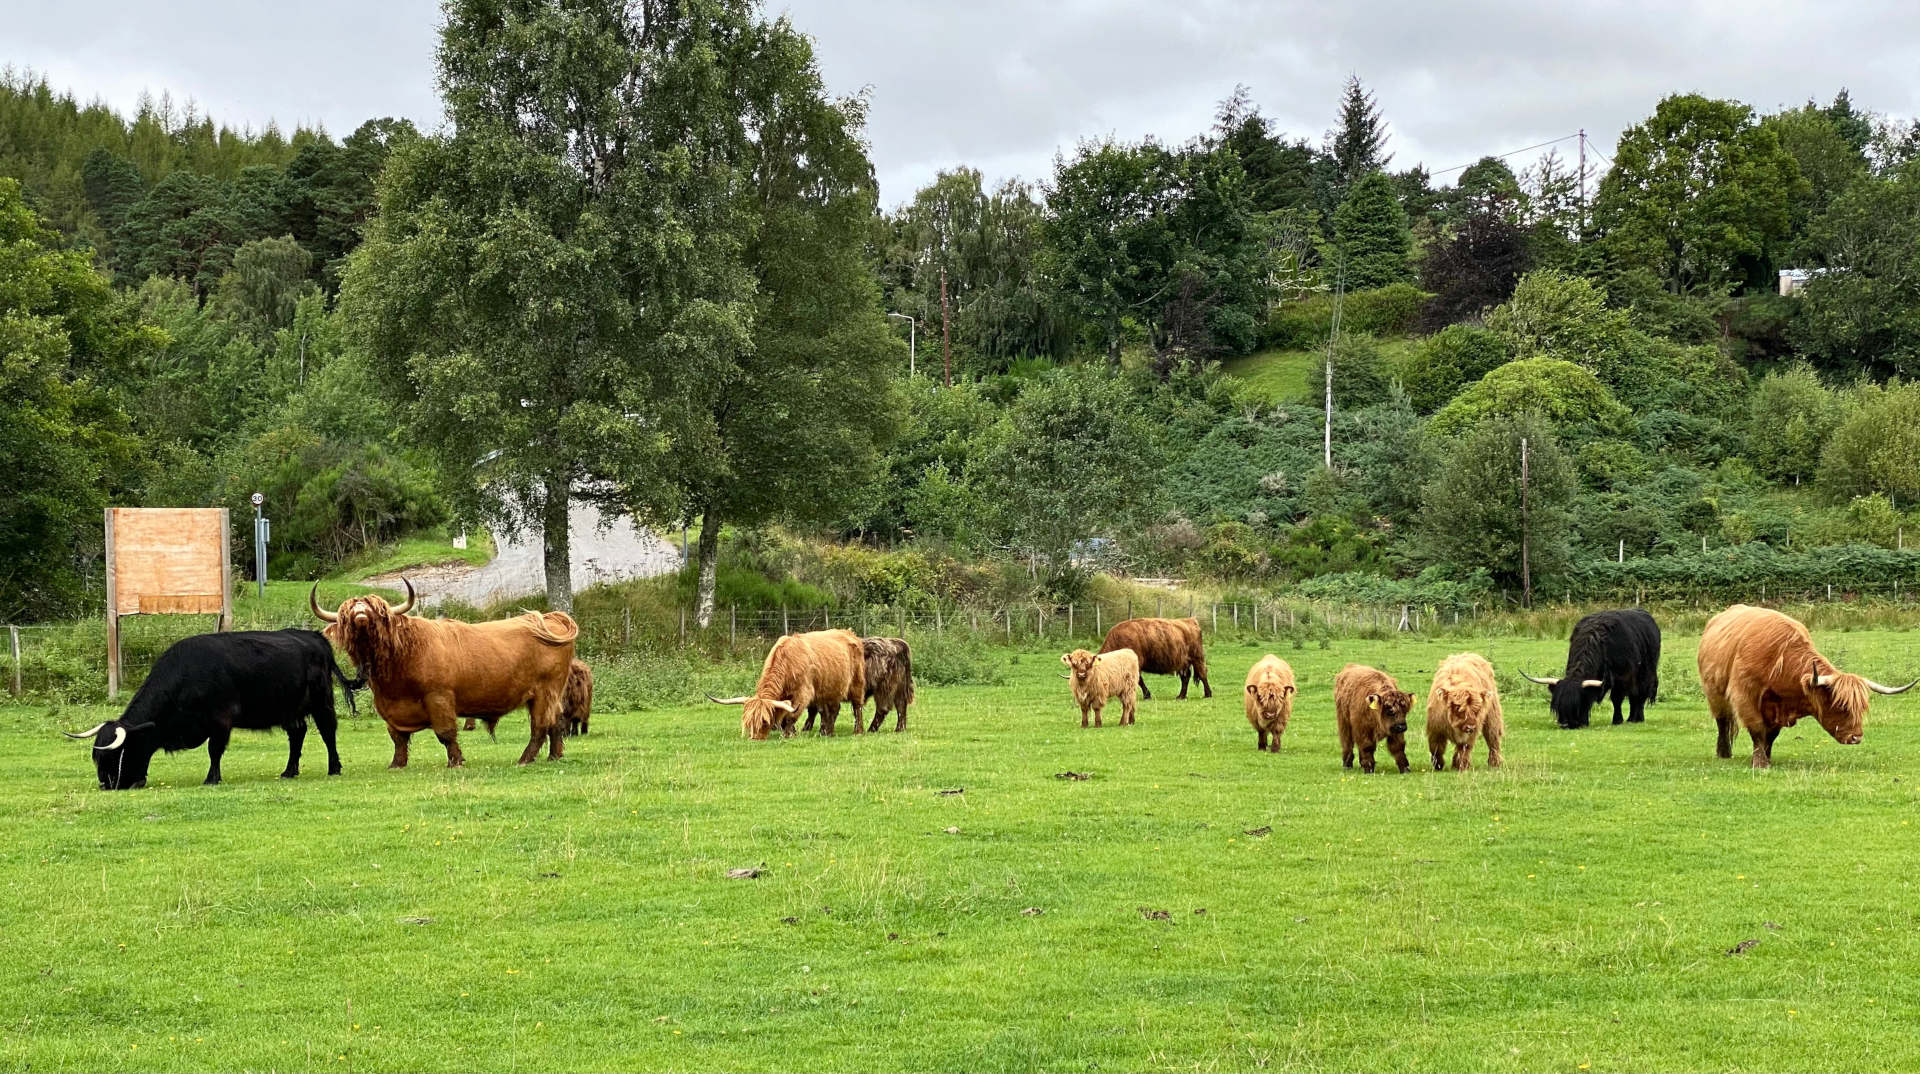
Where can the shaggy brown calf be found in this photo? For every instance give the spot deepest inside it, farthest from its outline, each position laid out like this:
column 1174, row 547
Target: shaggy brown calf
column 1760, row 667
column 1370, row 707
column 889, row 679
column 426, row 673
column 1463, row 702
column 1165, row 647
column 1099, row 677
column 821, row 668
column 1269, row 700
column 576, row 708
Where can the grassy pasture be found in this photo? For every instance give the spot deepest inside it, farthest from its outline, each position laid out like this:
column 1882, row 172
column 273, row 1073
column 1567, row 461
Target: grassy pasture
column 1573, row 911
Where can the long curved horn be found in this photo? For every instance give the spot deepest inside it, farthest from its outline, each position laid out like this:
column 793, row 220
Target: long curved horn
column 119, row 739
column 1879, row 689
column 1591, row 683
column 88, row 733
column 727, row 700
column 1543, row 682
column 408, row 606
column 313, row 601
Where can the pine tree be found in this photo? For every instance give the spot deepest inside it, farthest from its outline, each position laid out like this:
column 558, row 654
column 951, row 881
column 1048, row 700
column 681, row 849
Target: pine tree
column 1371, row 234
column 1359, row 144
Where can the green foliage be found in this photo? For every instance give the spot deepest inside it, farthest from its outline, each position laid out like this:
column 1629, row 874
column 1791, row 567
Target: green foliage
column 1359, row 146
column 1393, row 310
column 66, row 340
column 1876, row 449
column 1862, row 315
column 1473, row 516
column 1790, row 416
column 1564, row 394
column 1360, row 375
column 1372, row 245
column 1747, row 568
column 1448, row 361
column 1694, row 189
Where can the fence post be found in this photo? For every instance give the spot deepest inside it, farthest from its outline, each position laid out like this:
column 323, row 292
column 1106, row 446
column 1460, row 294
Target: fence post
column 1236, row 614
column 733, row 624
column 939, row 625
column 683, row 628
column 1256, row 617
column 1009, row 614
column 784, row 629
column 973, row 619
column 1069, row 620
column 13, row 643
column 901, row 611
column 828, row 611
column 1096, row 620
column 1216, row 617
column 1160, row 607
column 626, row 626
column 1129, row 605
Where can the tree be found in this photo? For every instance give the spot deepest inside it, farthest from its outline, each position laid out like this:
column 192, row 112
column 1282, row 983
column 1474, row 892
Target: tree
column 1790, row 416
column 1449, row 360
column 554, row 286
column 1071, row 460
column 1876, row 449
column 1554, row 212
column 800, row 417
column 1359, row 145
column 1279, row 171
column 1559, row 392
column 65, row 340
column 183, row 227
column 1473, row 516
column 1862, row 315
column 1370, row 235
column 1826, row 158
column 266, row 281
column 1693, row 190
column 1107, row 245
column 1477, row 268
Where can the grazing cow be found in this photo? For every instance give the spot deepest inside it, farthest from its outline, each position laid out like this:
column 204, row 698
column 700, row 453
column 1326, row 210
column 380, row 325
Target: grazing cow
column 203, row 687
column 819, row 669
column 1165, row 647
column 426, row 673
column 1616, row 651
column 1100, row 677
column 1370, row 707
column 576, row 705
column 889, row 679
column 1759, row 667
column 1463, row 702
column 1269, row 700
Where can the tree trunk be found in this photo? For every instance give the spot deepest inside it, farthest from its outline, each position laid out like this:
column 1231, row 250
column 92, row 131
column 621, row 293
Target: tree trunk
column 559, row 555
column 709, row 562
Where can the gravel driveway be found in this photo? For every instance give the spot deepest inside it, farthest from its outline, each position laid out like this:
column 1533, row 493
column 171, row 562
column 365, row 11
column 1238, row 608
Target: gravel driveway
column 610, row 553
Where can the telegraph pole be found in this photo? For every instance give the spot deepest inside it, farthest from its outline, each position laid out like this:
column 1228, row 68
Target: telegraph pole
column 946, row 332
column 1526, row 531
column 1339, row 294
column 1583, row 181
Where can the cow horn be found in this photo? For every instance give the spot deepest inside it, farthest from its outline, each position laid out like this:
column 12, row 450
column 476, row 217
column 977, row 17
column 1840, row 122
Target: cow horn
column 1823, row 680
column 408, row 606
column 1543, row 682
column 727, row 700
column 313, row 601
column 1590, row 683
column 119, row 739
column 1879, row 689
column 88, row 733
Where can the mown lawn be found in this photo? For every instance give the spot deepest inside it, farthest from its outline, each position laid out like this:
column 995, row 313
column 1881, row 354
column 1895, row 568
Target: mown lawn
column 1281, row 376
column 1573, row 911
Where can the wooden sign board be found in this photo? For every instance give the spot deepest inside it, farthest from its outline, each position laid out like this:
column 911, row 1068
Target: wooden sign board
column 165, row 561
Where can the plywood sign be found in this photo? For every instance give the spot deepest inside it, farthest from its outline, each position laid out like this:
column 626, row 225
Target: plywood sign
column 165, row 560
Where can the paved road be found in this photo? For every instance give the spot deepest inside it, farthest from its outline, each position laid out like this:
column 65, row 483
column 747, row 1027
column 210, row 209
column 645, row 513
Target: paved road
column 607, row 553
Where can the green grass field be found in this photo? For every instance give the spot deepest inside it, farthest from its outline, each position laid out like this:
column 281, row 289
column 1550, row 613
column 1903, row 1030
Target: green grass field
column 1281, row 376
column 1192, row 906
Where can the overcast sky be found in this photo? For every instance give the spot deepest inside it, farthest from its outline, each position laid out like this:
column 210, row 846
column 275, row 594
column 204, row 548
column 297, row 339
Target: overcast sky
column 1001, row 84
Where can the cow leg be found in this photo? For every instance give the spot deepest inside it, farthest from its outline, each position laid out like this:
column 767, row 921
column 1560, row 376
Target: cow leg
column 900, row 724
column 1616, row 706
column 216, row 745
column 542, row 713
column 829, row 718
column 1437, row 749
column 1096, row 714
column 1762, row 749
column 879, row 717
column 1346, row 743
column 1184, row 672
column 787, row 722
column 470, row 724
column 1636, row 709
column 1084, row 710
column 296, row 738
column 1366, row 755
column 1200, row 673
column 1463, row 756
column 1145, row 694
column 1260, row 740
column 1493, row 731
column 324, row 719
column 1397, row 746
column 808, row 726
column 446, row 727
column 400, row 741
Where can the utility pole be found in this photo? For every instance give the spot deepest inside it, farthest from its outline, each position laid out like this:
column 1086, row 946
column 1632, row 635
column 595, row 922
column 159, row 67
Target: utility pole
column 1583, row 181
column 946, row 333
column 1339, row 295
column 1526, row 532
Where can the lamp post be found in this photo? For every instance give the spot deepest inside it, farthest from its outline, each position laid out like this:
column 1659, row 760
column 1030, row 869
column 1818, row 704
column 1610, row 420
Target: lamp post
column 913, row 335
column 260, row 533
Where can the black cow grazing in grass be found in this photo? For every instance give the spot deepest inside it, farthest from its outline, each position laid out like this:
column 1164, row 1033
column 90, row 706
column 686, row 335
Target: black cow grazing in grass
column 1616, row 651
column 203, row 687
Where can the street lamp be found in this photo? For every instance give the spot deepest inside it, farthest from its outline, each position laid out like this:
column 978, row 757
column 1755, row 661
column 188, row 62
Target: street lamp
column 913, row 333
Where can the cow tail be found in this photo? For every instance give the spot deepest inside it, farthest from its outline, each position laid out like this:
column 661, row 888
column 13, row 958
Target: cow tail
column 347, row 686
column 906, row 665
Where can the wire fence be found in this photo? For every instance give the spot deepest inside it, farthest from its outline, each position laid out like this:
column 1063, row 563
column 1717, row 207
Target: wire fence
column 68, row 660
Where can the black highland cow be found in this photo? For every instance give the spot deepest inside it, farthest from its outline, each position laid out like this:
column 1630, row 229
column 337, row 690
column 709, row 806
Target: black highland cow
column 1614, row 652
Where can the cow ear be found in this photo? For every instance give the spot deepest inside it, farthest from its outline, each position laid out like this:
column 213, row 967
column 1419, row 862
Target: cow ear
column 1373, row 702
column 1291, row 689
column 1251, row 687
column 1066, row 658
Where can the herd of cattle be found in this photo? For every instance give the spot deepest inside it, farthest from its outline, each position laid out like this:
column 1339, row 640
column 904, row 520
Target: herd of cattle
column 1758, row 669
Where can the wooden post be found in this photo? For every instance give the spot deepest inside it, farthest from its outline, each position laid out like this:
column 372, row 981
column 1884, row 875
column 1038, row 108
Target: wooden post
column 1069, row 620
column 784, row 628
column 226, row 572
column 13, row 643
column 939, row 626
column 901, row 611
column 1160, row 607
column 828, row 612
column 1129, row 605
column 1096, row 620
column 1236, row 613
column 626, row 626
column 1256, row 617
column 113, row 618
column 1009, row 614
column 733, row 623
column 1216, row 617
column 683, row 628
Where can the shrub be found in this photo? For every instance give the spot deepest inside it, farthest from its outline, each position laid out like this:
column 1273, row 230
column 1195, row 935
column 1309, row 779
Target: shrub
column 1566, row 395
column 1393, row 310
column 955, row 660
column 1448, row 361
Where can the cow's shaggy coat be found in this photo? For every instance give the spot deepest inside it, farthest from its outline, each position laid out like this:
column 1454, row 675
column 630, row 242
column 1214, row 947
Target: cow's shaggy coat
column 1269, row 700
column 1164, row 647
column 1370, row 708
column 1614, row 651
column 1759, row 667
column 804, row 672
column 1463, row 703
column 889, row 667
column 1100, row 677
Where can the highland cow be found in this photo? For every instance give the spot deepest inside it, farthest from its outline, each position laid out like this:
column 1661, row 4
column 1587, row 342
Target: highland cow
column 1464, row 702
column 1269, row 701
column 1370, row 708
column 1099, row 677
column 1164, row 647
column 821, row 668
column 1617, row 651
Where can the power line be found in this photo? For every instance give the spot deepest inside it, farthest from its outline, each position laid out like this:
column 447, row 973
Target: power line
column 1503, row 156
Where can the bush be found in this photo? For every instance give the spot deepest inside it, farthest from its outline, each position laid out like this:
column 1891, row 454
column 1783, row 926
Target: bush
column 1448, row 361
column 1877, row 448
column 1747, row 569
column 1393, row 310
column 1566, row 395
column 1359, row 374
column 955, row 660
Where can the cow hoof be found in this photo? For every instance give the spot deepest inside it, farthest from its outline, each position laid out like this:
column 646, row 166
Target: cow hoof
column 289, row 775
column 334, row 771
column 210, row 782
